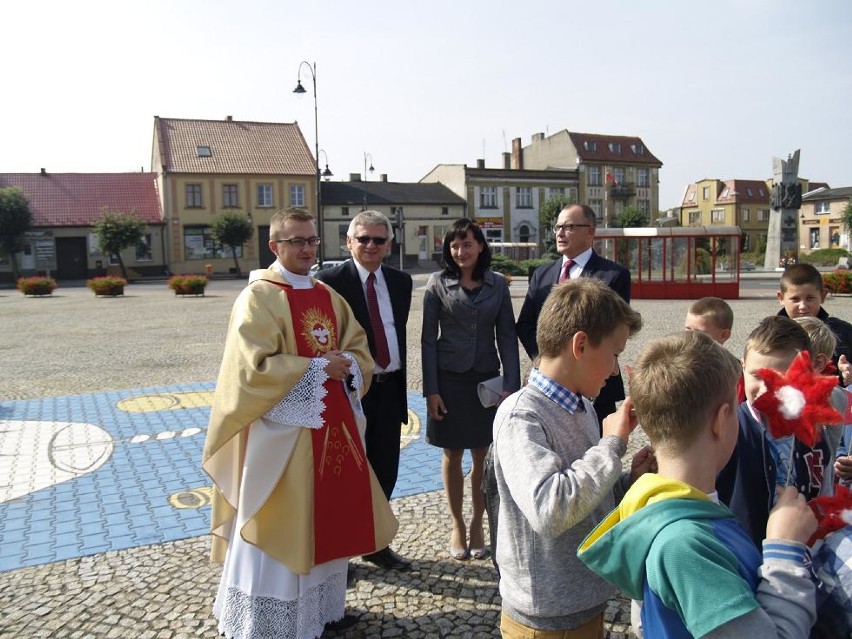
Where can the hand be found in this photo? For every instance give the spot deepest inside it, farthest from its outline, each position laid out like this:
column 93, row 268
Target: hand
column 643, row 462
column 843, row 467
column 622, row 422
column 791, row 519
column 845, row 368
column 338, row 366
column 435, row 407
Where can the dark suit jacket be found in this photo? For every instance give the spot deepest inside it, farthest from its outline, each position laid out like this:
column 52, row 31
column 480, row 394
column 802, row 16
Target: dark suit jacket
column 345, row 280
column 543, row 278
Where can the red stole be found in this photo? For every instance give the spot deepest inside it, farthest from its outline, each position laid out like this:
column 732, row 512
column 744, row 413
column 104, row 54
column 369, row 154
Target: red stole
column 343, row 509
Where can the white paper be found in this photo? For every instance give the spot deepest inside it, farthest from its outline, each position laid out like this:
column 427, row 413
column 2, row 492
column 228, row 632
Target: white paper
column 489, row 391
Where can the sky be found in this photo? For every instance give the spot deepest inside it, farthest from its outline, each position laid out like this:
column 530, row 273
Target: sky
column 715, row 89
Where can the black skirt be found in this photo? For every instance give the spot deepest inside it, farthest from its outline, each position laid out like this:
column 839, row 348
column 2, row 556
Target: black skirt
column 467, row 424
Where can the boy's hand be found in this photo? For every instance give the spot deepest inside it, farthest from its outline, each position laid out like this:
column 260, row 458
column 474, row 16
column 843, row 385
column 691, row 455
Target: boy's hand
column 791, row 519
column 435, row 407
column 845, row 368
column 622, row 422
column 843, row 467
column 643, row 462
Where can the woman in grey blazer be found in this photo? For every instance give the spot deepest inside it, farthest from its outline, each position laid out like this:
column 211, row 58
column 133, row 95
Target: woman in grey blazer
column 467, row 321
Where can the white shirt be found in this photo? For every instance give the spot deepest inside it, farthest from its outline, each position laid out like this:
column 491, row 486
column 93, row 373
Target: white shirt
column 386, row 311
column 579, row 263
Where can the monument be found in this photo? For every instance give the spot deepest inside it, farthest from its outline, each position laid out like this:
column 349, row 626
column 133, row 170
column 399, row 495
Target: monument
column 782, row 241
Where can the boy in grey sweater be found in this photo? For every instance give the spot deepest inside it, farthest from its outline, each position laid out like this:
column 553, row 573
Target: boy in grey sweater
column 555, row 474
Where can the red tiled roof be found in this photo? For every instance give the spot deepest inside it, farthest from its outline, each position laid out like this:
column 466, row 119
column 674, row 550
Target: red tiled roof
column 267, row 148
column 77, row 199
column 743, row 192
column 596, row 148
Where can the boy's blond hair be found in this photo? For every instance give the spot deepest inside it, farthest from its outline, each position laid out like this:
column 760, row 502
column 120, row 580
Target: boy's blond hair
column 799, row 275
column 583, row 304
column 679, row 383
column 715, row 309
column 823, row 340
column 777, row 333
column 276, row 223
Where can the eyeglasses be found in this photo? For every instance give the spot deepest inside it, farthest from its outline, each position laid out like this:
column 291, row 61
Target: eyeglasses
column 300, row 241
column 569, row 228
column 363, row 240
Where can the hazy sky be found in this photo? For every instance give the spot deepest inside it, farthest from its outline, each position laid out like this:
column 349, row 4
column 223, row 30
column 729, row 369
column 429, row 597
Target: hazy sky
column 714, row 88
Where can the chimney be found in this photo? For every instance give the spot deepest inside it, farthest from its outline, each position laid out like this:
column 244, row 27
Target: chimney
column 383, row 177
column 507, row 161
column 480, row 164
column 43, row 171
column 229, row 118
column 517, row 154
column 354, row 177
column 537, row 137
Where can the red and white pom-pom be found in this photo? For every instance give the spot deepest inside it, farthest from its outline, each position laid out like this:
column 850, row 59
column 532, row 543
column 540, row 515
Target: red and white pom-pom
column 797, row 402
column 833, row 512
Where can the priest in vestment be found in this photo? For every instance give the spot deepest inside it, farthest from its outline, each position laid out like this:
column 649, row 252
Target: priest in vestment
column 294, row 495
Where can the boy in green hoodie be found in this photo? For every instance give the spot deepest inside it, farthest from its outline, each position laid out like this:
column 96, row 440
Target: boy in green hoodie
column 670, row 543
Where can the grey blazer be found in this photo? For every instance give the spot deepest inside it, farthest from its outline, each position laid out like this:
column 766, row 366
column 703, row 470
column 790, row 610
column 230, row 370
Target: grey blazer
column 459, row 334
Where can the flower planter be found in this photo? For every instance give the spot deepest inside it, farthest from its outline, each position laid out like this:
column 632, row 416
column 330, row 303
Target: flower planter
column 190, row 290
column 188, row 284
column 36, row 286
column 107, row 286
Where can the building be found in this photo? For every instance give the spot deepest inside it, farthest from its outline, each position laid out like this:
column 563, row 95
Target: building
column 420, row 212
column 821, row 218
column 64, row 207
column 615, row 171
column 505, row 202
column 205, row 167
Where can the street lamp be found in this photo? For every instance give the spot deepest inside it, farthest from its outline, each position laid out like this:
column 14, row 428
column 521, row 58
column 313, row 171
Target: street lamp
column 300, row 89
column 327, row 173
column 367, row 155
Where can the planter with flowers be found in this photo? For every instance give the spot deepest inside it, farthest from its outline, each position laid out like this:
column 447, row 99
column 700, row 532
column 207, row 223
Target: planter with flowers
column 37, row 285
column 188, row 284
column 109, row 285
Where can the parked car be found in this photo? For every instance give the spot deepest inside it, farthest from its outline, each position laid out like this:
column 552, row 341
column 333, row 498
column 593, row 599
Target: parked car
column 325, row 264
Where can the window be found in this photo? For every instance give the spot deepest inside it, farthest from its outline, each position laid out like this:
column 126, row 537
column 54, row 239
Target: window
column 821, row 208
column 264, row 195
column 594, row 176
column 488, row 197
column 445, row 210
column 749, row 191
column 618, row 208
column 695, row 217
column 524, row 233
column 746, row 215
column 143, row 249
column 198, row 244
column 762, row 215
column 717, row 215
column 230, row 196
column 691, row 197
column 725, row 192
column 642, row 178
column 814, row 236
column 637, row 149
column 554, row 191
column 615, row 147
column 705, row 193
column 746, row 243
column 644, row 206
column 344, row 210
column 193, row 196
column 204, row 151
column 297, row 195
column 590, row 145
column 438, row 233
column 618, row 173
column 597, row 207
column 761, row 192
column 523, row 197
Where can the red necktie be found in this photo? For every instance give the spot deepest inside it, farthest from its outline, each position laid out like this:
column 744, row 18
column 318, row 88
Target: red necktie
column 381, row 341
column 565, row 268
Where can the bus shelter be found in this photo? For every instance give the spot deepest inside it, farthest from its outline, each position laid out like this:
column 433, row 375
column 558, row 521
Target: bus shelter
column 676, row 263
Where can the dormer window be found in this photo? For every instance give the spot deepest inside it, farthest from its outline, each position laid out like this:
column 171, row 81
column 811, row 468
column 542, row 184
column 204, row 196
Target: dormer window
column 615, row 147
column 761, row 192
column 637, row 149
column 724, row 192
column 590, row 145
column 750, row 192
column 204, row 152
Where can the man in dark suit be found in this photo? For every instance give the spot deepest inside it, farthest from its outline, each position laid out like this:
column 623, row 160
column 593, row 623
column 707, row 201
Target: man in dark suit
column 575, row 233
column 380, row 297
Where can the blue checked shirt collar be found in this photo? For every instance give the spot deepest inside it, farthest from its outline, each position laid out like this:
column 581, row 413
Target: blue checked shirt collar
column 556, row 392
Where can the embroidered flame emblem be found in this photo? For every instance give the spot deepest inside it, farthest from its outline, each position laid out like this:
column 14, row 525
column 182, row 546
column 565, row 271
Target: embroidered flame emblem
column 318, row 331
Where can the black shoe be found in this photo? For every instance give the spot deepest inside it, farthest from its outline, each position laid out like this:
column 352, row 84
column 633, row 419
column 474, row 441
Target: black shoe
column 388, row 559
column 345, row 623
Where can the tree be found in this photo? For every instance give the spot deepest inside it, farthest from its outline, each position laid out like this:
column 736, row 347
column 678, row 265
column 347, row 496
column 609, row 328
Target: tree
column 632, row 217
column 846, row 218
column 547, row 214
column 117, row 231
column 15, row 220
column 231, row 229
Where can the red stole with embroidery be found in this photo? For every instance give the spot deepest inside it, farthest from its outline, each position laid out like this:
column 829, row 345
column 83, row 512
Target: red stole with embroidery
column 343, row 509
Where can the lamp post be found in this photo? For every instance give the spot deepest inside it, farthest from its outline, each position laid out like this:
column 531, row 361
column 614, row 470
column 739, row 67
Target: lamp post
column 300, row 89
column 367, row 155
column 327, row 172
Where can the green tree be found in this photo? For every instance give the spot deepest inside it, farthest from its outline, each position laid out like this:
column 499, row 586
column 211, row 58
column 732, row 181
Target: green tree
column 117, row 231
column 232, row 229
column 846, row 218
column 15, row 220
column 632, row 217
column 547, row 214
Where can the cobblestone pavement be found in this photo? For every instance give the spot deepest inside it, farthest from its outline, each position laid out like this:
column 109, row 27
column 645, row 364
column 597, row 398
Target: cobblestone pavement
column 74, row 343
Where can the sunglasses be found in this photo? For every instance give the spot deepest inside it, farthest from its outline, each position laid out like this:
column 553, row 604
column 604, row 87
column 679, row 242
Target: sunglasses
column 363, row 240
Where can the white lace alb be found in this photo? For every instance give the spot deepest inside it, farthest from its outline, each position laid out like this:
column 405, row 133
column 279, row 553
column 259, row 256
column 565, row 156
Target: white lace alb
column 304, row 405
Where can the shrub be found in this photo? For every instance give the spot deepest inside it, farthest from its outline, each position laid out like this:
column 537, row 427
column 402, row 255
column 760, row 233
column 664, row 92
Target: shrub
column 36, row 285
column 824, row 257
column 107, row 285
column 838, row 282
column 188, row 284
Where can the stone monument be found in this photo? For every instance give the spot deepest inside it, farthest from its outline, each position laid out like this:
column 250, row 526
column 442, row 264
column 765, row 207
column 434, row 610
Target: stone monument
column 782, row 241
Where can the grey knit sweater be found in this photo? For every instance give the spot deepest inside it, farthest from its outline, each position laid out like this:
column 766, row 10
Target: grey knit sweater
column 555, row 477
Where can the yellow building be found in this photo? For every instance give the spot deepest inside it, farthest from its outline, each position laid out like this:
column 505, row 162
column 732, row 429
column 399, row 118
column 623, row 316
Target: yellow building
column 205, row 167
column 822, row 226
